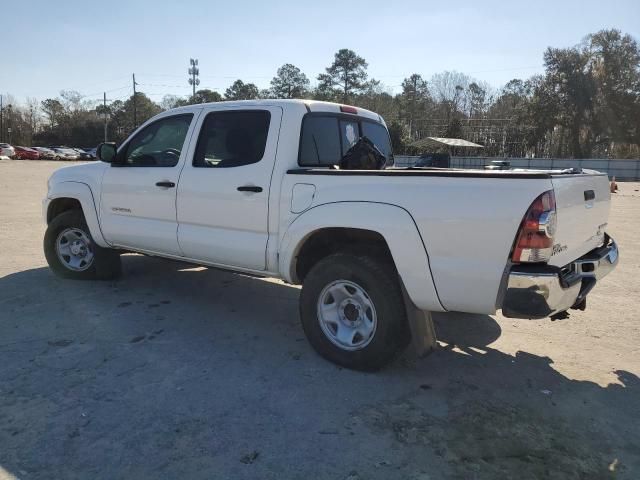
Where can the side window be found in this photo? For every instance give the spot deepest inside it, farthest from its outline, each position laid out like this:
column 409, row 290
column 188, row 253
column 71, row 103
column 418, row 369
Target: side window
column 158, row 144
column 379, row 135
column 325, row 139
column 232, row 138
column 320, row 142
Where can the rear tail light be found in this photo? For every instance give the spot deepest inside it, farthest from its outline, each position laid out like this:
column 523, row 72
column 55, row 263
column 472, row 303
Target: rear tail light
column 534, row 242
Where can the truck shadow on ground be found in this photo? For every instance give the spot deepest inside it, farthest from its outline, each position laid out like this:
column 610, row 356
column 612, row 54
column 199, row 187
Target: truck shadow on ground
column 177, row 370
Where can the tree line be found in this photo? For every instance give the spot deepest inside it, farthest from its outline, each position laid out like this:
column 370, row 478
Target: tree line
column 586, row 104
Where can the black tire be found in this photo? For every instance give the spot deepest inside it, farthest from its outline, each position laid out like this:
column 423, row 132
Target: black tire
column 106, row 263
column 381, row 283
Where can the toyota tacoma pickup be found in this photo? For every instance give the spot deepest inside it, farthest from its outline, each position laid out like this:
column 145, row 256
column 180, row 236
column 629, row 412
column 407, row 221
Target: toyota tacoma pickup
column 255, row 187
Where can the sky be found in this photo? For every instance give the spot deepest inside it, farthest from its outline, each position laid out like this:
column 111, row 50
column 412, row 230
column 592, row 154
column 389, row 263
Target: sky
column 92, row 47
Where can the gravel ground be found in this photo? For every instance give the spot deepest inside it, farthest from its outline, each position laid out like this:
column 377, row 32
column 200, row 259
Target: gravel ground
column 182, row 372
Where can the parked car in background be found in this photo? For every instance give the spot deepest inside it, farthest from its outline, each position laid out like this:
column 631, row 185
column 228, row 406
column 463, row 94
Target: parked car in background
column 82, row 155
column 92, row 152
column 498, row 165
column 26, row 153
column 6, row 150
column 65, row 153
column 45, row 153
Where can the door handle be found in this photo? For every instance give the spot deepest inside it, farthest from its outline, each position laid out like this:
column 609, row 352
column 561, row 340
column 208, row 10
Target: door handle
column 249, row 188
column 165, row 184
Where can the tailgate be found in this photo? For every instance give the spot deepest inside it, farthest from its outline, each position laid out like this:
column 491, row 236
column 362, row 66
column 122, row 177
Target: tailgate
column 582, row 204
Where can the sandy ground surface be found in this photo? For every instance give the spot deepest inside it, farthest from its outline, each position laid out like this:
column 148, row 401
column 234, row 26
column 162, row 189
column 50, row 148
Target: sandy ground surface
column 182, row 372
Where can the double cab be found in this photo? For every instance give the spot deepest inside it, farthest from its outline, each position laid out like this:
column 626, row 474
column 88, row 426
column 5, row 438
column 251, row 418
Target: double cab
column 258, row 187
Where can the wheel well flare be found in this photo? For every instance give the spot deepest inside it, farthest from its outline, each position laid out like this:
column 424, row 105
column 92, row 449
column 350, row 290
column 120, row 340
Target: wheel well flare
column 327, row 241
column 60, row 205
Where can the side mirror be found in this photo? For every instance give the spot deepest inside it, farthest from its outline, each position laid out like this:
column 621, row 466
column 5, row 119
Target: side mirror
column 106, row 152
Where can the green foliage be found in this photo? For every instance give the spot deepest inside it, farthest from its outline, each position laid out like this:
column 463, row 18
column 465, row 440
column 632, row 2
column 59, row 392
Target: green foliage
column 241, row 91
column 72, row 122
column 415, row 97
column 206, row 96
column 399, row 135
column 53, row 109
column 589, row 98
column 289, row 82
column 345, row 77
column 453, row 130
column 615, row 64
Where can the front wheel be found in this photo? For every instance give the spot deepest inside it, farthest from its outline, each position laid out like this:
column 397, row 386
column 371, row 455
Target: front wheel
column 352, row 311
column 71, row 252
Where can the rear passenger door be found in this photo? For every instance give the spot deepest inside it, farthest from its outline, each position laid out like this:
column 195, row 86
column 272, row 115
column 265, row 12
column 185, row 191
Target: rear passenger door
column 223, row 193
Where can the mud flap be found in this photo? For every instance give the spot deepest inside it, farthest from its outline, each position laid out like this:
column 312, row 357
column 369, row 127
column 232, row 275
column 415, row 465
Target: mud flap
column 423, row 332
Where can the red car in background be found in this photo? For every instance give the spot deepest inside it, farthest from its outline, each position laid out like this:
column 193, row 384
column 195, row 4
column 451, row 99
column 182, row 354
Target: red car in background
column 26, row 153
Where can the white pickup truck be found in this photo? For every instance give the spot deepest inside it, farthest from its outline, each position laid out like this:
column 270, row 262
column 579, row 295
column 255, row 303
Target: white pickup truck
column 253, row 187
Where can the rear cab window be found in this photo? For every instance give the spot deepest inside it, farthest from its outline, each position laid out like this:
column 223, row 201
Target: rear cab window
column 326, row 137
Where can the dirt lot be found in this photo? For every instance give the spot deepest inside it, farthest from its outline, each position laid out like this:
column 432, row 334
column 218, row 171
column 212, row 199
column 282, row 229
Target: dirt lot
column 182, row 372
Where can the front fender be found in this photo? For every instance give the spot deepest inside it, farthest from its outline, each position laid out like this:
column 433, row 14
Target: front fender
column 82, row 193
column 392, row 222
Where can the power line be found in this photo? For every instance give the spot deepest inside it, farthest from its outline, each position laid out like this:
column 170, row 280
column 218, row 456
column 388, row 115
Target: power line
column 162, row 85
column 107, row 91
column 101, row 82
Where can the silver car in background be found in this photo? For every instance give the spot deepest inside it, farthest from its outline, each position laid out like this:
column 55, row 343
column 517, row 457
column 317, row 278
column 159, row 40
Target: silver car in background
column 65, row 153
column 45, row 152
column 7, row 150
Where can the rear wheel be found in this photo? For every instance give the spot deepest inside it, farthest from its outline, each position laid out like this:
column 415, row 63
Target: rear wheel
column 71, row 252
column 352, row 311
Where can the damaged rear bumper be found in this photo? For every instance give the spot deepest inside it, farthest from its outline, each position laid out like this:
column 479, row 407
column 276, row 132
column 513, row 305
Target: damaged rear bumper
column 538, row 291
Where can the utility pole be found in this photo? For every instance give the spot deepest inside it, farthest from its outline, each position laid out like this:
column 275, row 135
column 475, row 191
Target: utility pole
column 194, row 71
column 105, row 115
column 135, row 109
column 9, row 122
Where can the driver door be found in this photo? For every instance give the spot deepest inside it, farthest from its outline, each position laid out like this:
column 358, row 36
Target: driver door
column 138, row 199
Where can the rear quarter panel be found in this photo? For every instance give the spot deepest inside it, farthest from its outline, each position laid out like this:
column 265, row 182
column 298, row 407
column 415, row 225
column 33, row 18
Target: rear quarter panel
column 392, row 222
column 468, row 224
